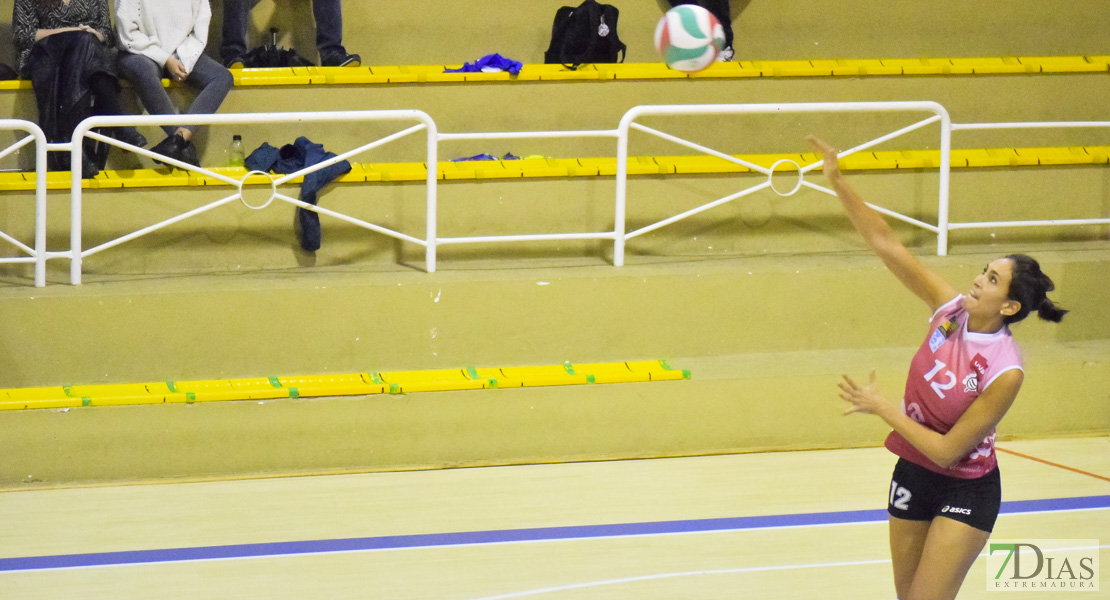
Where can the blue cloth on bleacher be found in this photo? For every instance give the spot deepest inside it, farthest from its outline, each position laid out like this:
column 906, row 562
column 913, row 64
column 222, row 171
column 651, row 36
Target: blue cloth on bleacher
column 491, row 63
column 290, row 159
column 486, row 156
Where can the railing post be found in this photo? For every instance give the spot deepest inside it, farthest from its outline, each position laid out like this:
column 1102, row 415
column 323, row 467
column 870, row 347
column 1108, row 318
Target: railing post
column 945, row 170
column 76, row 152
column 40, row 207
column 619, row 212
column 432, row 230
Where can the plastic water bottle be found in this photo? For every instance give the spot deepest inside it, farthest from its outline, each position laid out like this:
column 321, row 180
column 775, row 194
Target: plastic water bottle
column 235, row 152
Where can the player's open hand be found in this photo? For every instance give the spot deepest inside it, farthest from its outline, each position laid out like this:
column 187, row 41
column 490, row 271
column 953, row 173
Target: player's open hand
column 830, row 166
column 863, row 399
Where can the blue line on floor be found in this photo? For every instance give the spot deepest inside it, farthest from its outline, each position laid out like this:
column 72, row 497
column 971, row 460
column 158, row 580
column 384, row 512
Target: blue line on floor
column 394, row 542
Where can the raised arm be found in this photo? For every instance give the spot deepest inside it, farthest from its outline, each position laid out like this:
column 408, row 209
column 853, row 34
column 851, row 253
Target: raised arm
column 881, row 238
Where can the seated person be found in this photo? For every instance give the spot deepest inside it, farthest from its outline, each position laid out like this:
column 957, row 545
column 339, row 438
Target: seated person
column 329, row 34
column 63, row 48
column 159, row 37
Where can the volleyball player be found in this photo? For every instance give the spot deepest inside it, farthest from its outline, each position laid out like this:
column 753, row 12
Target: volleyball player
column 945, row 492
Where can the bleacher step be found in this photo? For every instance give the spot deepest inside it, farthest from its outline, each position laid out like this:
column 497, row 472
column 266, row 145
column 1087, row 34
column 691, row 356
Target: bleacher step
column 738, row 403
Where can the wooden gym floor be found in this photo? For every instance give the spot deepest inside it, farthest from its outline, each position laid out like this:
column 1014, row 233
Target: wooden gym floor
column 773, row 525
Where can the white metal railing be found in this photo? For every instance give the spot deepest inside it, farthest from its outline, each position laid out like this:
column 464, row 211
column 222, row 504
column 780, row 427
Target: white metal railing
column 628, row 122
column 36, row 254
column 1029, row 125
column 432, row 239
column 424, row 123
column 596, row 235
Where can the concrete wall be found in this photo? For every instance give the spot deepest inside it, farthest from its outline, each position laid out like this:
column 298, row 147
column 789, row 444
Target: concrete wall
column 766, row 340
column 435, row 32
column 540, row 106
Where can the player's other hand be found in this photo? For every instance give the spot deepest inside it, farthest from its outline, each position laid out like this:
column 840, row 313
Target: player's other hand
column 863, row 399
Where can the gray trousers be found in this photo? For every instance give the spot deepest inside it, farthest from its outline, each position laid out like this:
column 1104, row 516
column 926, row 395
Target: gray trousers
column 208, row 76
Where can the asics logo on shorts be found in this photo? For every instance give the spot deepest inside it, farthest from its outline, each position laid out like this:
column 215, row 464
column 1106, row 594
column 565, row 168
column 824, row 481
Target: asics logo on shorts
column 953, row 509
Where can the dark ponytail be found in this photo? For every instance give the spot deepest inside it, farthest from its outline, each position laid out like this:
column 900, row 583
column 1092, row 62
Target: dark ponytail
column 1029, row 286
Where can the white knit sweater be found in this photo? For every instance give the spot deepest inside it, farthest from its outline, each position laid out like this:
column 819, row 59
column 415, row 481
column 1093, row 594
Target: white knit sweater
column 158, row 29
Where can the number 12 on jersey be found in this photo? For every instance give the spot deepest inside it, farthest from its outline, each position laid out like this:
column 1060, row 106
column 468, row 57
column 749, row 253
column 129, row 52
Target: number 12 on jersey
column 938, row 386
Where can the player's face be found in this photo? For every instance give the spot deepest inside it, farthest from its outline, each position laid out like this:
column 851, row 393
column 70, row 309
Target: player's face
column 989, row 294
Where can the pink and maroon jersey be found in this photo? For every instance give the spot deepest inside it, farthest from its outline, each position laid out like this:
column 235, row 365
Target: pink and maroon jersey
column 946, row 375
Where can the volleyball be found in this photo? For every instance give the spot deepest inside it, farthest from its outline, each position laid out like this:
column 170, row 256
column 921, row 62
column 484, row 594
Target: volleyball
column 689, row 37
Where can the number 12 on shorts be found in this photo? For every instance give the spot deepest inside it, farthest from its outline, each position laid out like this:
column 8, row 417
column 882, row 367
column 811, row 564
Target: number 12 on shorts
column 899, row 496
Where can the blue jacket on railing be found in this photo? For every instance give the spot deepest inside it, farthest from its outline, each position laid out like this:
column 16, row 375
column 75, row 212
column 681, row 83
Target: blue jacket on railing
column 290, row 159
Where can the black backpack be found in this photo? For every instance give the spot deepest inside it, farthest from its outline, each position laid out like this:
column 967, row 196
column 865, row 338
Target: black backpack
column 272, row 55
column 586, row 34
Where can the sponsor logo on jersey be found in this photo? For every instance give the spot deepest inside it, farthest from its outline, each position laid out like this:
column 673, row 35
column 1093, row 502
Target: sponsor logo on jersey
column 953, row 509
column 979, row 365
column 971, row 383
column 936, row 340
column 940, row 334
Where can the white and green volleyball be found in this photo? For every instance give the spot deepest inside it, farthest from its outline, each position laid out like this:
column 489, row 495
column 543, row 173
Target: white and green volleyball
column 689, row 37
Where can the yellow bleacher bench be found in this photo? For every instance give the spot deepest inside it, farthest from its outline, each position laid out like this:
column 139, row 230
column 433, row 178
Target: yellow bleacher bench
column 538, row 167
column 866, row 67
column 1063, row 64
column 1057, row 156
column 385, row 74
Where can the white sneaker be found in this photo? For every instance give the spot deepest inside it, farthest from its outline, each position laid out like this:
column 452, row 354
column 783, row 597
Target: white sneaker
column 725, row 55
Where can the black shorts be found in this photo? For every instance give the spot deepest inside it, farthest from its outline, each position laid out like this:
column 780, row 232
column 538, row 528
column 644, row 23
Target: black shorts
column 918, row 494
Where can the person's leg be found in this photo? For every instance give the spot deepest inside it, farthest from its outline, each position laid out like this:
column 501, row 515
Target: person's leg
column 105, row 88
column 907, row 543
column 329, row 34
column 146, row 78
column 214, row 82
column 329, row 27
column 208, row 76
column 43, row 65
column 950, row 549
column 912, row 506
column 233, row 44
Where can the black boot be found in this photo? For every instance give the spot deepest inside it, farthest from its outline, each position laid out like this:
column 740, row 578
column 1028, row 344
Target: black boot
column 177, row 148
column 128, row 135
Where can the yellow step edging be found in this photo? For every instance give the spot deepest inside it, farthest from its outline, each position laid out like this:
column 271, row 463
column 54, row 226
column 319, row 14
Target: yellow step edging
column 585, row 167
column 883, row 67
column 352, row 384
column 388, row 74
